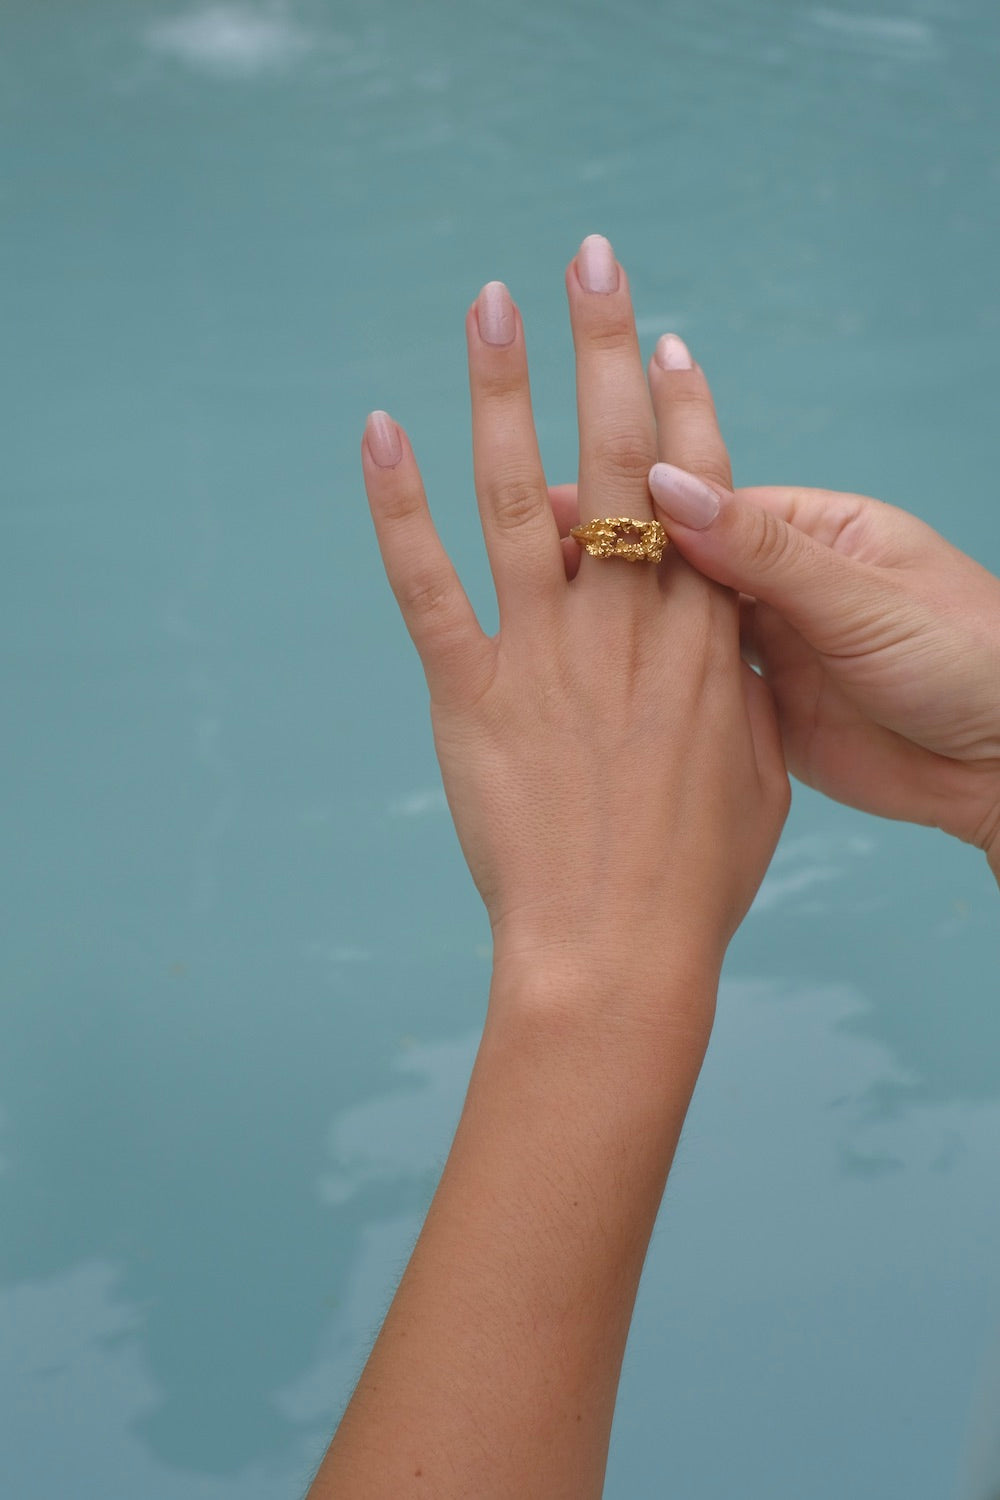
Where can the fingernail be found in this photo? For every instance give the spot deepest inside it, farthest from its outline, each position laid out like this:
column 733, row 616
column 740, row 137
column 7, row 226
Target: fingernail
column 495, row 312
column 672, row 353
column 382, row 435
column 683, row 497
column 596, row 265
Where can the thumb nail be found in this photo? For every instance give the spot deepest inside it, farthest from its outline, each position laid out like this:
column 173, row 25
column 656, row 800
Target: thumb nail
column 684, row 498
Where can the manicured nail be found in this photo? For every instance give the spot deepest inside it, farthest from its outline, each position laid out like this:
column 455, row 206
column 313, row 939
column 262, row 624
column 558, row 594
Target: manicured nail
column 596, row 265
column 383, row 440
column 683, row 497
column 672, row 353
column 495, row 311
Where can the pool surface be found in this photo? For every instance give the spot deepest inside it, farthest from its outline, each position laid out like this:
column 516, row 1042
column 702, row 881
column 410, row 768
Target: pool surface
column 244, row 966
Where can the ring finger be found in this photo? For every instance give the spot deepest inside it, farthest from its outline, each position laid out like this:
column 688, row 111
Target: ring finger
column 617, row 429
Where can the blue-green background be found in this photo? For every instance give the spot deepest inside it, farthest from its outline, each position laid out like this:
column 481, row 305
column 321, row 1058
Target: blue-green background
column 243, row 965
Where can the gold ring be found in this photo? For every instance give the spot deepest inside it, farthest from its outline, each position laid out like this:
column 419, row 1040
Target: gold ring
column 614, row 536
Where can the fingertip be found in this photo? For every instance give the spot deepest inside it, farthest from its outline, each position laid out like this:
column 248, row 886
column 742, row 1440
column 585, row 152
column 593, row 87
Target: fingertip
column 495, row 316
column 671, row 353
column 383, row 439
column 684, row 499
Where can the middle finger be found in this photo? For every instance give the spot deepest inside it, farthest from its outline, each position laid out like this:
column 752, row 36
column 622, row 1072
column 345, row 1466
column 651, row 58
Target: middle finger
column 617, row 429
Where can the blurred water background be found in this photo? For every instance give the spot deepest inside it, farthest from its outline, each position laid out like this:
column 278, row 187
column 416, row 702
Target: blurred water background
column 243, row 964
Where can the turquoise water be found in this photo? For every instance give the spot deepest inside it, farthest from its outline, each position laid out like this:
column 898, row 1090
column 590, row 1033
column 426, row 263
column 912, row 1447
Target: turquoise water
column 243, row 964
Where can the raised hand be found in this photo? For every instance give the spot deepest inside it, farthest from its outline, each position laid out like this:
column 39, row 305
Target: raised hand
column 879, row 640
column 611, row 764
column 614, row 771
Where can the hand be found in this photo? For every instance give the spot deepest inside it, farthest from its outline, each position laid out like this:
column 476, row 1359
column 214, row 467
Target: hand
column 612, row 766
column 879, row 640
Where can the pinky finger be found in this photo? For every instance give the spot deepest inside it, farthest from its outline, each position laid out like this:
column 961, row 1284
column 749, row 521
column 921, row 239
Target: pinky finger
column 572, row 552
column 565, row 507
column 566, row 510
column 455, row 653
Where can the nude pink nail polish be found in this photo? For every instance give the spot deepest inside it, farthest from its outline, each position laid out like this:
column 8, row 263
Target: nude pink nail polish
column 672, row 353
column 683, row 496
column 596, row 265
column 382, row 436
column 495, row 312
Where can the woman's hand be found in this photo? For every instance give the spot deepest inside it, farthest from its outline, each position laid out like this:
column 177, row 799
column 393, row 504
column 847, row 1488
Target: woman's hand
column 615, row 774
column 879, row 640
column 612, row 766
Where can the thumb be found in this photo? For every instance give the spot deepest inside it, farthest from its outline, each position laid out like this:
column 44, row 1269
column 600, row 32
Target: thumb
column 824, row 595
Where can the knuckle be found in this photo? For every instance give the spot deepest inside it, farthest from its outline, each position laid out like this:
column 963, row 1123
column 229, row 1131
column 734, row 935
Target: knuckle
column 401, row 503
column 425, row 595
column 722, row 646
column 719, row 661
column 986, row 832
column 700, row 646
column 714, row 468
column 517, row 501
column 615, row 329
column 768, row 542
column 500, row 379
column 629, row 454
column 690, row 398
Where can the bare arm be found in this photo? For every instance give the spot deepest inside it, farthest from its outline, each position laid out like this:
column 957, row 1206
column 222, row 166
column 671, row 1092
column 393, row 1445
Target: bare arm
column 496, row 1371
column 615, row 775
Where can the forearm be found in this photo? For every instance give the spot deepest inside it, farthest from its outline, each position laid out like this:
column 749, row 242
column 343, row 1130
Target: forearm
column 496, row 1371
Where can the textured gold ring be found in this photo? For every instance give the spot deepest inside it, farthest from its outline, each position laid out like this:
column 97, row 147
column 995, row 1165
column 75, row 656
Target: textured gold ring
column 622, row 536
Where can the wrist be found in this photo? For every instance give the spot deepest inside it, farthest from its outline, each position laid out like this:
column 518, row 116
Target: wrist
column 638, row 952
column 606, row 1009
column 593, row 1082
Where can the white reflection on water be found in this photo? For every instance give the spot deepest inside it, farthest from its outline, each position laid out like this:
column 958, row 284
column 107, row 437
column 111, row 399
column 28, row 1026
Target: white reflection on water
column 339, row 953
column 232, row 40
column 428, row 799
column 395, row 1141
column 800, row 864
column 651, row 325
column 878, row 1229
column 851, row 1216
column 72, row 1361
column 315, row 1400
column 899, row 38
column 404, row 1134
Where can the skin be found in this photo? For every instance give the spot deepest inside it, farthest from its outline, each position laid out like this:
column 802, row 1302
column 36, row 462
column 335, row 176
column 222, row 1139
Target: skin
column 879, row 640
column 615, row 774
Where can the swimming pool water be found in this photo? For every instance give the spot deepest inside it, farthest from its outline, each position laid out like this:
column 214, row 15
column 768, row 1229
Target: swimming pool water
column 244, row 965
